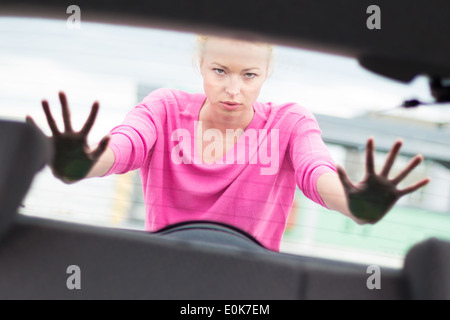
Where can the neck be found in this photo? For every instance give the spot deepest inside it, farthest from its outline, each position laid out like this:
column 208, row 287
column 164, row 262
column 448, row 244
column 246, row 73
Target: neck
column 211, row 119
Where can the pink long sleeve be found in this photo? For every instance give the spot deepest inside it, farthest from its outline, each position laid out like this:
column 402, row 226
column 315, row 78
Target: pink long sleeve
column 310, row 157
column 251, row 187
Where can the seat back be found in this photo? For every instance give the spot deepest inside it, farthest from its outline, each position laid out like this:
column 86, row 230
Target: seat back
column 36, row 254
column 427, row 268
column 24, row 150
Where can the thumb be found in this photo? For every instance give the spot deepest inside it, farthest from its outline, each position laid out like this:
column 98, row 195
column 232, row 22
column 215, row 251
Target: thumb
column 101, row 147
column 344, row 178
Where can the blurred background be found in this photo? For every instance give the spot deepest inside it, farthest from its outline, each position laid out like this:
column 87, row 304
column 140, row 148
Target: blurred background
column 118, row 66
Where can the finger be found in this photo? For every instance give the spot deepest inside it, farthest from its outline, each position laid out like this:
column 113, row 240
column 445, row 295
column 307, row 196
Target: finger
column 370, row 167
column 414, row 187
column 91, row 119
column 65, row 112
column 50, row 120
column 410, row 167
column 344, row 178
column 101, row 148
column 391, row 158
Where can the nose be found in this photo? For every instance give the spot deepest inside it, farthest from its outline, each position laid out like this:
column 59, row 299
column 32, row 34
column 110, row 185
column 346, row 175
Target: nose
column 233, row 86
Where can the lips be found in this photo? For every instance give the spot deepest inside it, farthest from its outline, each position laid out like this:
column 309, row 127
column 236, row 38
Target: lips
column 230, row 105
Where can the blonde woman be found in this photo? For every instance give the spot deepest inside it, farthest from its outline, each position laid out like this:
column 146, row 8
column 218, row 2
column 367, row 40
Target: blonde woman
column 223, row 156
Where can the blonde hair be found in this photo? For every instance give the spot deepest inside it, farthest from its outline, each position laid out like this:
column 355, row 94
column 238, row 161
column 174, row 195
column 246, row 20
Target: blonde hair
column 202, row 39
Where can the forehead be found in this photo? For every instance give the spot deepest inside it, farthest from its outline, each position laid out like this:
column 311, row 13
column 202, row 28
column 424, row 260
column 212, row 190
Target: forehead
column 235, row 50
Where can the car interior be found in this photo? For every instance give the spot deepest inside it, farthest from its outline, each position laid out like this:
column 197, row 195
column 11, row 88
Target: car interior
column 227, row 263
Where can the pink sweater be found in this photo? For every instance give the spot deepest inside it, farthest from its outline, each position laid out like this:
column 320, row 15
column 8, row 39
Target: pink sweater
column 251, row 187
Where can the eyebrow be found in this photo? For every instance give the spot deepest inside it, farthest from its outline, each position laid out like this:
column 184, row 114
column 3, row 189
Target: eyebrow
column 248, row 69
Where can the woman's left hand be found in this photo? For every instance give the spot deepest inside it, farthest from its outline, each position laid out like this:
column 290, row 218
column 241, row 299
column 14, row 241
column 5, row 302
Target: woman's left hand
column 375, row 195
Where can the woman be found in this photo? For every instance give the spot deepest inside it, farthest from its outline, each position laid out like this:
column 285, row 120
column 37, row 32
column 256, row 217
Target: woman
column 222, row 155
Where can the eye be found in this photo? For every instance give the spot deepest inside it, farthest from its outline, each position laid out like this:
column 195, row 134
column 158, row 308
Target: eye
column 219, row 71
column 250, row 75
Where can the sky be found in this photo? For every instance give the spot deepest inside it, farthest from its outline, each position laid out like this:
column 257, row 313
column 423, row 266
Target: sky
column 39, row 57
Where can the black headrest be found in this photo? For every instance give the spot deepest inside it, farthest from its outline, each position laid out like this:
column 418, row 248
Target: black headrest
column 24, row 150
column 427, row 267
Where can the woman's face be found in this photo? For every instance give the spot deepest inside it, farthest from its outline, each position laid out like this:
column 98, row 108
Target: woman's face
column 233, row 74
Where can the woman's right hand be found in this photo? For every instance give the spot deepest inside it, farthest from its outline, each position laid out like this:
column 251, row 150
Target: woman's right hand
column 72, row 159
